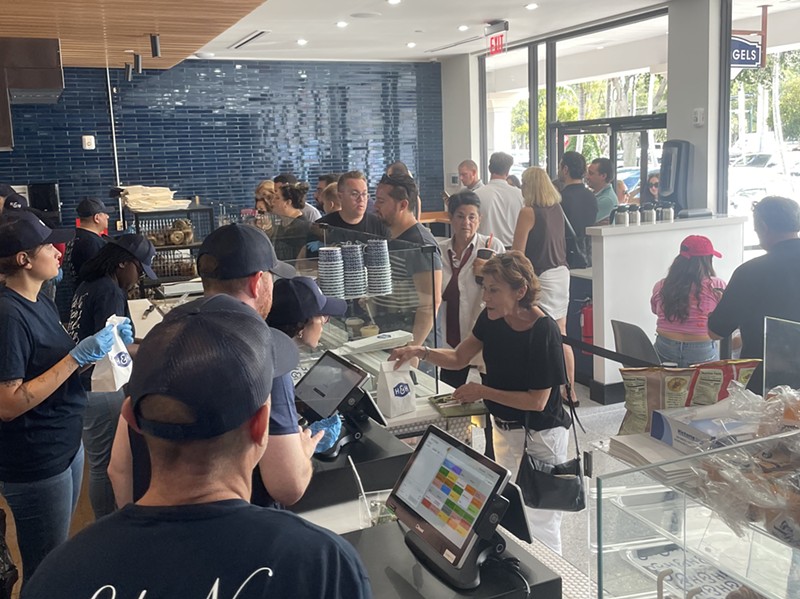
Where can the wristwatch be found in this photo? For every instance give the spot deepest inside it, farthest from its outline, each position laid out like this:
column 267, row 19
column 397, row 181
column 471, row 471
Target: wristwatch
column 427, row 352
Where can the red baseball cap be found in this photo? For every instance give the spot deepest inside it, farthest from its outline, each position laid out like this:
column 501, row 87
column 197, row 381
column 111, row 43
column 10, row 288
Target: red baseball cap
column 697, row 245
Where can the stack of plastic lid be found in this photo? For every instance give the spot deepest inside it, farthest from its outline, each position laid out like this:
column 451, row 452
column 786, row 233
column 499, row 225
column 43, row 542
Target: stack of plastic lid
column 379, row 272
column 331, row 271
column 355, row 275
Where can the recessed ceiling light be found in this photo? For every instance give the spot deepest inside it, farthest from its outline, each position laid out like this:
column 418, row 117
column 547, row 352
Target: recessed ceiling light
column 394, row 1
column 463, row 27
column 302, row 42
column 600, row 47
column 341, row 24
column 411, row 45
column 531, row 6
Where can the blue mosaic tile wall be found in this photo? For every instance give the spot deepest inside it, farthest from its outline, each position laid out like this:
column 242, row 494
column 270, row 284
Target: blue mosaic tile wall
column 216, row 128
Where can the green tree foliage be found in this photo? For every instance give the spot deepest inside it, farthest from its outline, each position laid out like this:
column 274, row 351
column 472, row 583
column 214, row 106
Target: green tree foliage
column 789, row 92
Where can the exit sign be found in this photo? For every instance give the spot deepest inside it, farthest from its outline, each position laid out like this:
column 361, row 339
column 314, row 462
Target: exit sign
column 497, row 43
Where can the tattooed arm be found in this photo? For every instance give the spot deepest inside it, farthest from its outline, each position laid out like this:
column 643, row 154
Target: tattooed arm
column 17, row 397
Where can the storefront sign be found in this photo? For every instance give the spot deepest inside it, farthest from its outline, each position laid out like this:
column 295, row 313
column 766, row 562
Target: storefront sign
column 497, row 43
column 745, row 54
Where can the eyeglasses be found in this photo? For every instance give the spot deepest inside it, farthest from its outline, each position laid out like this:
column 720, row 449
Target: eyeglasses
column 653, row 185
column 359, row 194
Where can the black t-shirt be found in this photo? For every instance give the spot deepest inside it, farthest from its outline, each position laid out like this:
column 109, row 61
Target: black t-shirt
column 765, row 286
column 580, row 206
column 43, row 441
column 222, row 549
column 523, row 361
column 92, row 304
column 369, row 224
column 81, row 249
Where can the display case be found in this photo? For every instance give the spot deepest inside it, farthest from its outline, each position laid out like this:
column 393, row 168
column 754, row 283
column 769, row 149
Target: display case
column 176, row 235
column 728, row 520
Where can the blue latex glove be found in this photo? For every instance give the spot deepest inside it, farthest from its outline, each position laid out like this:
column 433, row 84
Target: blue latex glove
column 59, row 276
column 93, row 348
column 332, row 425
column 125, row 330
column 313, row 246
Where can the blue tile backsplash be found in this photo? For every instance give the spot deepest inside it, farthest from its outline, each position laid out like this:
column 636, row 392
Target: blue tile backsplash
column 216, row 128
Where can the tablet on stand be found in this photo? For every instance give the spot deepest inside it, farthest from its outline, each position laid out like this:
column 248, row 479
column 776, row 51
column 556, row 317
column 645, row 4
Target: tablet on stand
column 450, row 498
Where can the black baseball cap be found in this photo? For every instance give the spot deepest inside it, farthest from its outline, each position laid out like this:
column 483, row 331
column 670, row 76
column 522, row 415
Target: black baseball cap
column 14, row 201
column 298, row 299
column 238, row 251
column 141, row 248
column 27, row 231
column 215, row 357
column 91, row 206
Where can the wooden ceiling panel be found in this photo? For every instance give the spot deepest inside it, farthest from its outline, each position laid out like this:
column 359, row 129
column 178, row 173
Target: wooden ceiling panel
column 97, row 33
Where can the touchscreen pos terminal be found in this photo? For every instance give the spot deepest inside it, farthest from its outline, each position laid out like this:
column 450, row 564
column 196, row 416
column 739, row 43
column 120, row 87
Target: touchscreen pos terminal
column 450, row 498
column 334, row 384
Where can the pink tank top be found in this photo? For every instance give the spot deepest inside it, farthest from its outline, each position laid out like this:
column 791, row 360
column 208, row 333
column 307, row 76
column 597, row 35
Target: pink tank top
column 697, row 322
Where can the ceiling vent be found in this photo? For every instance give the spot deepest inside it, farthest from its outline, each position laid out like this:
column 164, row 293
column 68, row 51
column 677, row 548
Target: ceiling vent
column 251, row 37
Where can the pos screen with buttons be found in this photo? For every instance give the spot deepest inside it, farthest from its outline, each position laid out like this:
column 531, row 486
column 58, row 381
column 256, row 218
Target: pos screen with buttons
column 443, row 490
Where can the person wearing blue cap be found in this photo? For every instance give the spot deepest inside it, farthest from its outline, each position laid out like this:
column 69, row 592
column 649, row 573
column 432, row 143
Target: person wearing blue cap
column 107, row 279
column 41, row 396
column 200, row 394
column 300, row 309
column 239, row 260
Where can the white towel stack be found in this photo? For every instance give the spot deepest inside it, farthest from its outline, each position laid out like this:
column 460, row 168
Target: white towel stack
column 150, row 199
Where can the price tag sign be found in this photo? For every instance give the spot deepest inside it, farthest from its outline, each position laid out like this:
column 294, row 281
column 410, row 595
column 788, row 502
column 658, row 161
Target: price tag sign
column 497, row 44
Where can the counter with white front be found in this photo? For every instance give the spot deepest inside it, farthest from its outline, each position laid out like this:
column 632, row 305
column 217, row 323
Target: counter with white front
column 628, row 260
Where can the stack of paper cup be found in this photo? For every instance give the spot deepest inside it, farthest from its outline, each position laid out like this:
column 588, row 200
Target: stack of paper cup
column 379, row 272
column 355, row 276
column 331, row 271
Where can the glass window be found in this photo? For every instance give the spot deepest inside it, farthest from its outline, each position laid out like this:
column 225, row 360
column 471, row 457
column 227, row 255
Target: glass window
column 764, row 145
column 507, row 107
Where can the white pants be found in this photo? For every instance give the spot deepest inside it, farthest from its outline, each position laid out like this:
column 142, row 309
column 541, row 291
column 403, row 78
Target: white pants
column 554, row 292
column 550, row 446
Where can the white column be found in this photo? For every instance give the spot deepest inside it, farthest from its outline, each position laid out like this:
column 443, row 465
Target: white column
column 460, row 115
column 694, row 36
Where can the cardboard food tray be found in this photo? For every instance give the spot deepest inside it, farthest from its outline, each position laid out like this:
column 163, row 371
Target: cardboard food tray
column 476, row 408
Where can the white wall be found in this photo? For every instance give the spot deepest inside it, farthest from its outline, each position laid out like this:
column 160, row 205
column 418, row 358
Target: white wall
column 622, row 280
column 460, row 116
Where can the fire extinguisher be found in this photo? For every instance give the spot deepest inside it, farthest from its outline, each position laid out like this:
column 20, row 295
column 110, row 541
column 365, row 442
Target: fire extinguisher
column 587, row 324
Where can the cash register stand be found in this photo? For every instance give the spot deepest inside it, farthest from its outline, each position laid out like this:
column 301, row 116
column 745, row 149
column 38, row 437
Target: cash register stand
column 397, row 573
column 469, row 575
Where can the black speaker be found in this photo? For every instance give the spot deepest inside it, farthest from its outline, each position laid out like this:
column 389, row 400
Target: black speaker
column 45, row 197
column 676, row 172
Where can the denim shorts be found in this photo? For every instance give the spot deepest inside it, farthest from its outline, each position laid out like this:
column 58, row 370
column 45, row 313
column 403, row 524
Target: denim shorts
column 685, row 353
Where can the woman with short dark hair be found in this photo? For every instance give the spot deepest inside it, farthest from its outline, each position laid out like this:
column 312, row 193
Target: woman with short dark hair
column 461, row 291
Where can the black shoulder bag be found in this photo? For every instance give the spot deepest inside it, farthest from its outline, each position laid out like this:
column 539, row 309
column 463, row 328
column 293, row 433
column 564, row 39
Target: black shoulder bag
column 553, row 487
column 576, row 257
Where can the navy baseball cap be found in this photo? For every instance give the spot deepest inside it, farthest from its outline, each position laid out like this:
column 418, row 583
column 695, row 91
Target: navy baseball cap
column 215, row 357
column 298, row 299
column 238, row 251
column 141, row 248
column 285, row 355
column 90, row 207
column 14, row 201
column 26, row 231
